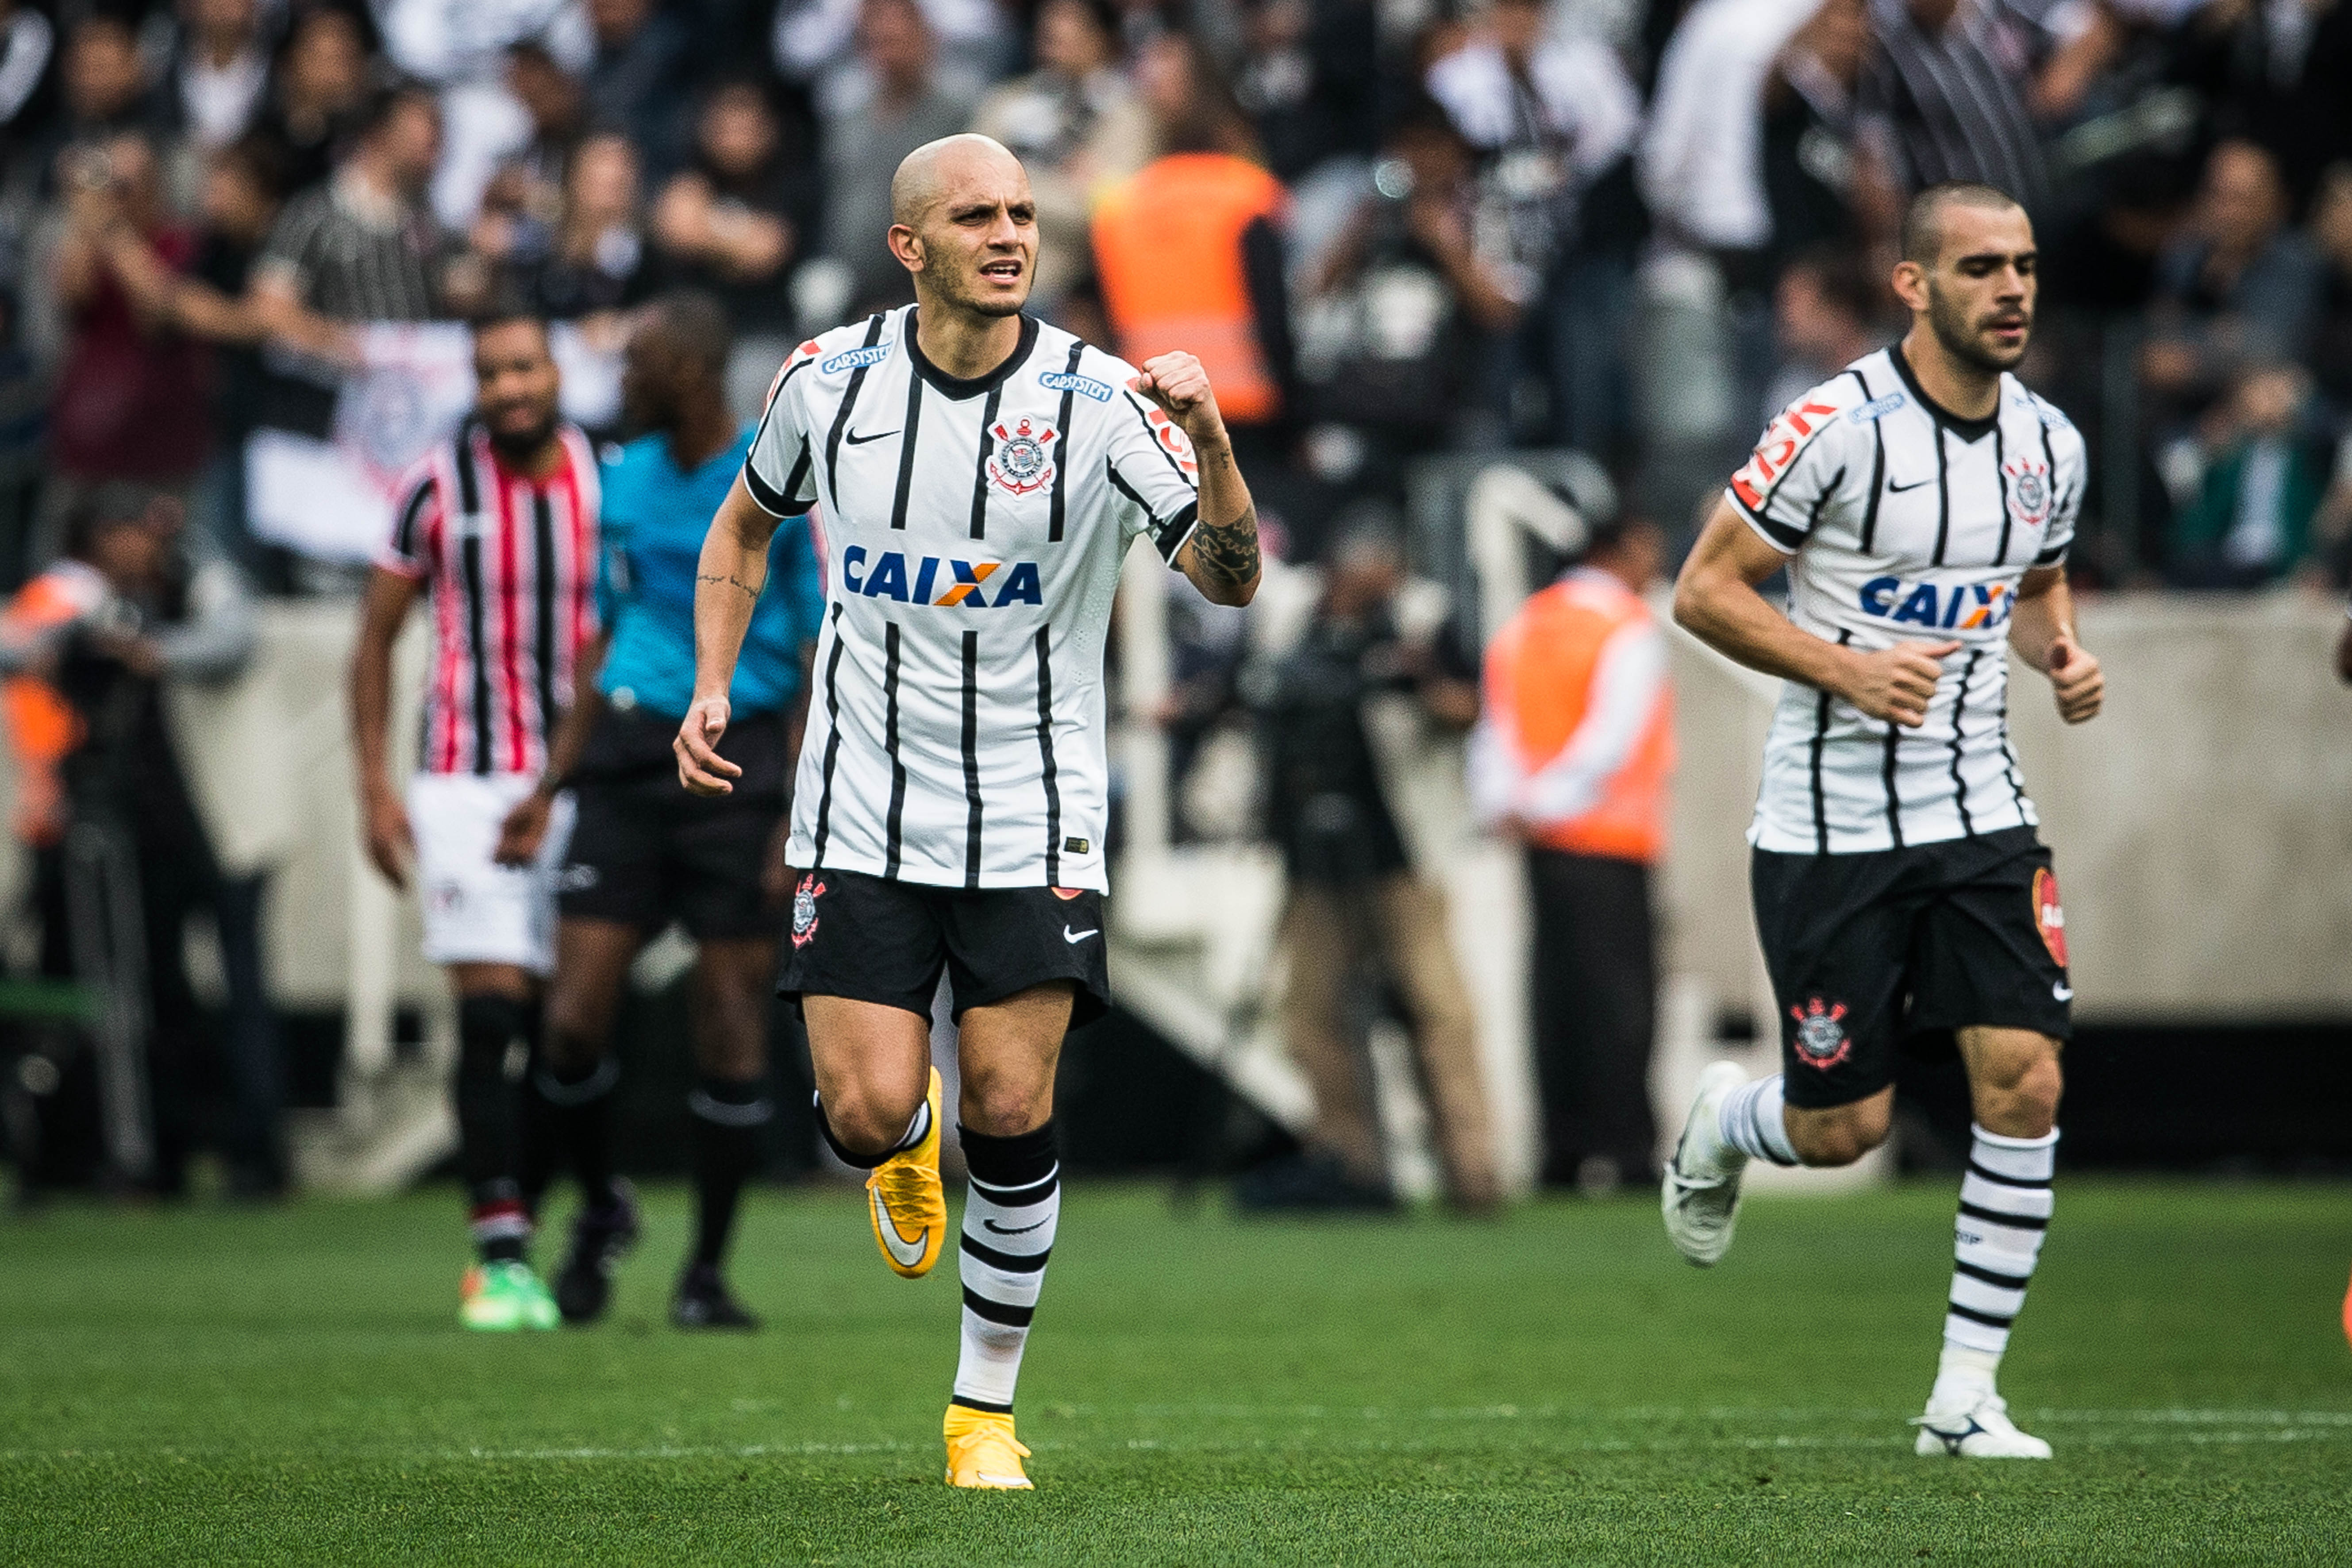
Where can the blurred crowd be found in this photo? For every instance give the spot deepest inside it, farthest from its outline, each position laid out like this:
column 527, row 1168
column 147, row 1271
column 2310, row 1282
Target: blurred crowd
column 1624, row 227
column 1402, row 233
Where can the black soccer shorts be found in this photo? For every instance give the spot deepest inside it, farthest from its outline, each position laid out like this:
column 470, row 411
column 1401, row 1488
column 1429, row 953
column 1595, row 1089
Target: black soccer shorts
column 1895, row 948
column 875, row 940
column 646, row 851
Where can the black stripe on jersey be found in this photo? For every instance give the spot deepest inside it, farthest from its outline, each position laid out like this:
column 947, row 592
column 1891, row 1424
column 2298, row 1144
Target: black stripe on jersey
column 469, row 484
column 979, row 468
column 774, row 502
column 841, row 416
column 1887, row 771
column 1781, row 534
column 470, row 573
column 1152, row 525
column 2008, row 757
column 793, row 502
column 831, row 739
column 1170, row 539
column 1053, row 532
column 542, row 545
column 412, row 514
column 1820, row 741
column 1943, row 497
column 2049, row 555
column 1166, row 455
column 1046, row 756
column 1877, row 477
column 972, row 754
column 783, row 503
column 890, row 742
column 1959, row 711
column 907, row 444
column 2000, row 475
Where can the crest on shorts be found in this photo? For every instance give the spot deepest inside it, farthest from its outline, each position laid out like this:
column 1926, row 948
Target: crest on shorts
column 2029, row 492
column 2049, row 918
column 1022, row 461
column 805, row 898
column 1821, row 1040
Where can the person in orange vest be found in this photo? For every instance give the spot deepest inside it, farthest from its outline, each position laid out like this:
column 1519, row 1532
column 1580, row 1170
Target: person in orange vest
column 1572, row 758
column 1189, row 251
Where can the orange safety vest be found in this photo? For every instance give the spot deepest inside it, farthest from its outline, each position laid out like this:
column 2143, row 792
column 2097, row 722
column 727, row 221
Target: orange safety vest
column 43, row 728
column 1168, row 256
column 1539, row 684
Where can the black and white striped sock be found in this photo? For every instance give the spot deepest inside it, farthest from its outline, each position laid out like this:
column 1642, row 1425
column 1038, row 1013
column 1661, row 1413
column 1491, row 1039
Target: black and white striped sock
column 918, row 1127
column 2005, row 1205
column 1009, row 1218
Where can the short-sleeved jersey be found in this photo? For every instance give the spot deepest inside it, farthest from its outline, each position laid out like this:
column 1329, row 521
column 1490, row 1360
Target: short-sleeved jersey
column 509, row 563
column 653, row 521
column 972, row 533
column 1904, row 523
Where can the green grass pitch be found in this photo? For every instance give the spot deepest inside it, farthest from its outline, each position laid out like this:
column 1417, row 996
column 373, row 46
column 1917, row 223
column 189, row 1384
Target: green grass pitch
column 1553, row 1387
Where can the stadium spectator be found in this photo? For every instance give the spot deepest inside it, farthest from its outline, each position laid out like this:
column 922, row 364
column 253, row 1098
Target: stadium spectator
column 105, row 81
column 1076, row 125
column 320, row 92
column 2331, row 232
column 2275, row 73
column 28, row 40
column 1309, row 80
column 1820, row 183
column 1553, row 116
column 2250, row 520
column 1571, row 759
column 1826, row 314
column 1944, row 96
column 1354, row 899
column 133, row 399
column 1190, row 250
column 637, row 79
column 599, row 260
column 2239, row 287
column 908, row 102
column 821, row 42
column 222, row 73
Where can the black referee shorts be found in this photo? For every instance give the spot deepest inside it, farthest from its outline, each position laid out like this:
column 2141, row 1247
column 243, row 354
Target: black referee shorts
column 875, row 940
column 1897, row 948
column 646, row 851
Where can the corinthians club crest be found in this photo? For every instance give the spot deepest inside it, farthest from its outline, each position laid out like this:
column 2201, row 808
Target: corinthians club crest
column 804, row 909
column 1022, row 461
column 1821, row 1040
column 2029, row 492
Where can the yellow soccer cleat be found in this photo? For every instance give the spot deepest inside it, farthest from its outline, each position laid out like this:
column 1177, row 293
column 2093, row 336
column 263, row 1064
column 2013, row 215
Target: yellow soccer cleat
column 909, row 1207
column 982, row 1452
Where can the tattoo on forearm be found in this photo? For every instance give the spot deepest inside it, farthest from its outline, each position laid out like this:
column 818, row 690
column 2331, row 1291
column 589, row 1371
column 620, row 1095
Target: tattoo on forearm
column 1228, row 553
column 751, row 590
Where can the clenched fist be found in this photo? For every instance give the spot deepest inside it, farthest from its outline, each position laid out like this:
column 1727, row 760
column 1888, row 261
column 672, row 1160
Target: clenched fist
column 1178, row 383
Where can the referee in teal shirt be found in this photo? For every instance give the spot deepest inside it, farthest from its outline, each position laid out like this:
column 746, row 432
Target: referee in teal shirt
column 644, row 851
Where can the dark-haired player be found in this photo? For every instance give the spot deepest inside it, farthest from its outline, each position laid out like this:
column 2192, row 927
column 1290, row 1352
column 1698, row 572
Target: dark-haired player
column 496, row 529
column 1921, row 503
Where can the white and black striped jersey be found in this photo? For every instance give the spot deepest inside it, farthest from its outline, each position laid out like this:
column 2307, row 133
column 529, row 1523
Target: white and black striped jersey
column 1904, row 523
column 971, row 535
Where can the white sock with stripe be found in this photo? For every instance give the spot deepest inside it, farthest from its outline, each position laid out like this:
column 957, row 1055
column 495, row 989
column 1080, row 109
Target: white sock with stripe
column 1013, row 1206
column 1751, row 1120
column 2005, row 1207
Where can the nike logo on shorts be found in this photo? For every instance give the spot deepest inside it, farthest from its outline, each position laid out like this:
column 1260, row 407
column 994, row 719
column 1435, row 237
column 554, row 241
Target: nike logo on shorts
column 1075, row 937
column 2063, row 992
column 856, row 440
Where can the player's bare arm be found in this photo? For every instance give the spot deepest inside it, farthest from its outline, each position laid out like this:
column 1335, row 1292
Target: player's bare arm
column 1222, row 558
column 525, row 828
column 383, row 819
column 1716, row 601
column 727, row 584
column 2042, row 633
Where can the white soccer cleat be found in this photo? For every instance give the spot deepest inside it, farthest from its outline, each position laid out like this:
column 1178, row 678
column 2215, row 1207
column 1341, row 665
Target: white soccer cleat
column 1699, row 1194
column 1978, row 1430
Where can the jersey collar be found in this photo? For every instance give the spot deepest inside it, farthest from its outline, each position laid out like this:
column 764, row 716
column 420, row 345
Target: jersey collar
column 957, row 388
column 1966, row 429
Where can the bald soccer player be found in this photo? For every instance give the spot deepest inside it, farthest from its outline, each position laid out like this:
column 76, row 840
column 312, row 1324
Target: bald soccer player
column 978, row 478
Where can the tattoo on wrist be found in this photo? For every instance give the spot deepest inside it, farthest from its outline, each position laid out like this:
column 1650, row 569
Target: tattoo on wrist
column 750, row 589
column 1229, row 553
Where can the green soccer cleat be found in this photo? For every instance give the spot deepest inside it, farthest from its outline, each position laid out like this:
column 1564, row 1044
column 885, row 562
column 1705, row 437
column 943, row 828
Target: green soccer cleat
column 500, row 1298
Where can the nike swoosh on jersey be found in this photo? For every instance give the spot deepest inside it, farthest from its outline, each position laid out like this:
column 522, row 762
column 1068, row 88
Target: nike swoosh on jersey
column 905, row 1252
column 1008, row 1230
column 1075, row 937
column 1891, row 489
column 856, row 439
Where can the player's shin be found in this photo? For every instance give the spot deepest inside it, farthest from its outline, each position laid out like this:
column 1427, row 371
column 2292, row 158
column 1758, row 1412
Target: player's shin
column 575, row 1112
column 731, row 1120
column 2005, row 1207
column 1009, row 1218
column 490, row 1029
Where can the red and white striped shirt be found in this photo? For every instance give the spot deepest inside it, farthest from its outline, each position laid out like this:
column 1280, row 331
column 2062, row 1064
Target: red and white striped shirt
column 511, row 563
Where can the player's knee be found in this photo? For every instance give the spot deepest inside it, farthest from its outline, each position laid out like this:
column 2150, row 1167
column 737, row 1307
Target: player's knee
column 1003, row 1105
column 572, row 1044
column 865, row 1120
column 2022, row 1103
column 1841, row 1136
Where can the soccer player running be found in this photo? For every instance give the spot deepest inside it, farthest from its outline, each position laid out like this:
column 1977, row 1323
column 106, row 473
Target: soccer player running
column 979, row 477
column 498, row 528
column 643, row 852
column 1921, row 503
